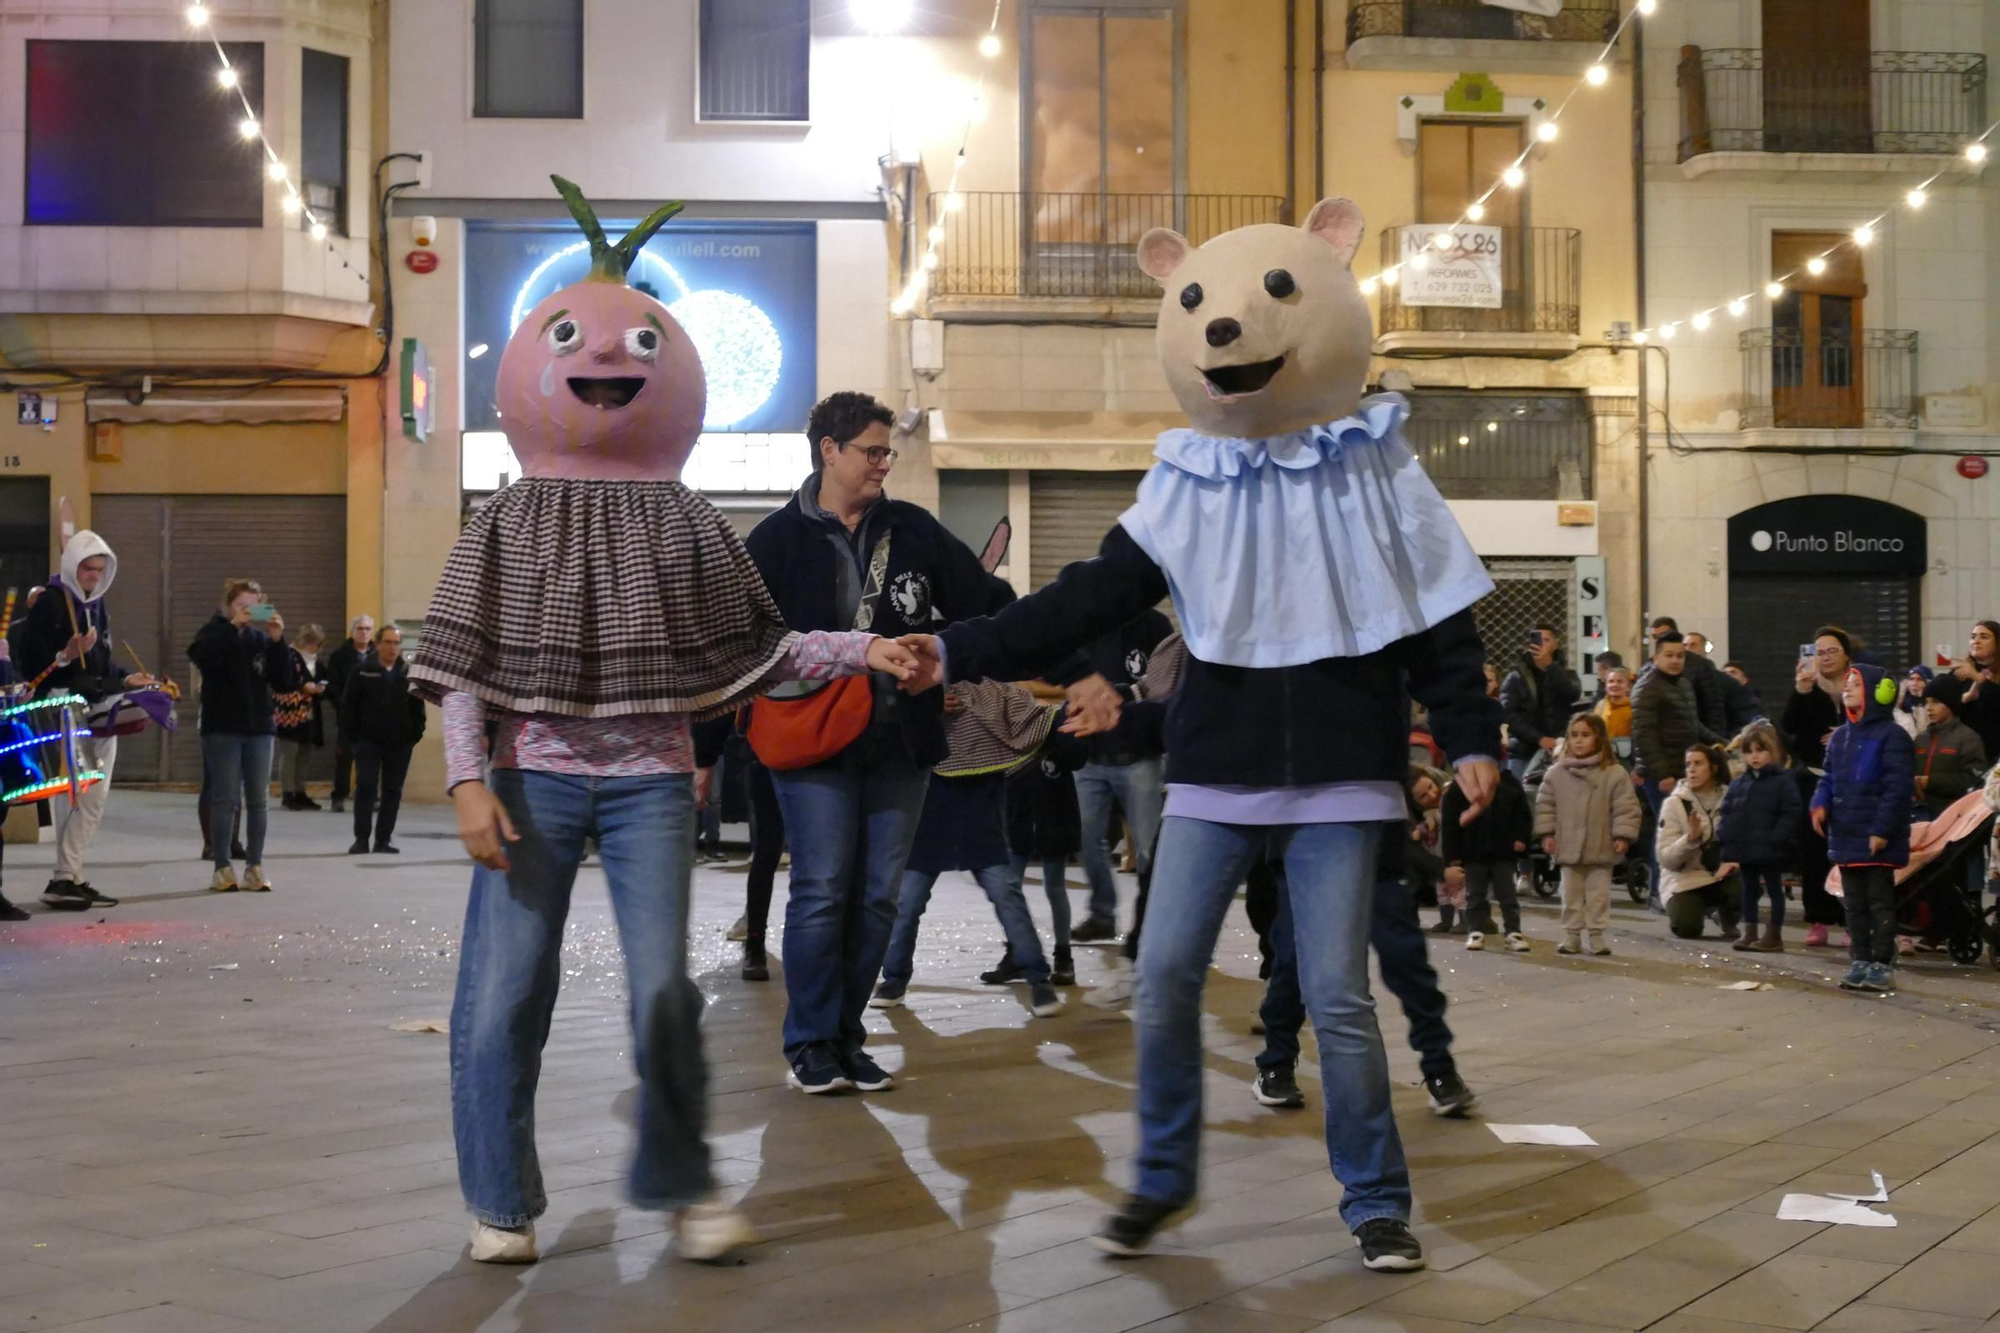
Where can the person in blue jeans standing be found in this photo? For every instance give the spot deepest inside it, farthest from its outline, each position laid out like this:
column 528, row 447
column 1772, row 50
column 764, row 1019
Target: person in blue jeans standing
column 1120, row 774
column 243, row 659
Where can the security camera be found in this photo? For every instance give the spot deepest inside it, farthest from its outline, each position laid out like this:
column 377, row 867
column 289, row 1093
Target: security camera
column 423, row 229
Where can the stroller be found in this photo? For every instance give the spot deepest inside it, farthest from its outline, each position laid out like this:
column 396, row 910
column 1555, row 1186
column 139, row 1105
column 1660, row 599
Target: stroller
column 1932, row 896
column 1635, row 872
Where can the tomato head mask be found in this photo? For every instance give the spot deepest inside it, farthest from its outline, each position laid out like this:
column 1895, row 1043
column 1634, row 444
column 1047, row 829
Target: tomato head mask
column 599, row 381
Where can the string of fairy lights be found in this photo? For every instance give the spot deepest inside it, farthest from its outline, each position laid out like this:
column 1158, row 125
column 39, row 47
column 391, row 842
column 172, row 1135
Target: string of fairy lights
column 920, row 273
column 1598, row 75
column 292, row 203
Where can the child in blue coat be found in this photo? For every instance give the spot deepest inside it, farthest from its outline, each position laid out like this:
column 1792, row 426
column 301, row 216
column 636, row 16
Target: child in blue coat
column 1761, row 815
column 1862, row 808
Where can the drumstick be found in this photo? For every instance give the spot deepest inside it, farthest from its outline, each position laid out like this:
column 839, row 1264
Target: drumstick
column 135, row 659
column 7, row 617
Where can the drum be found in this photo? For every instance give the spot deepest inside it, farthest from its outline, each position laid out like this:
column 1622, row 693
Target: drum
column 132, row 712
column 38, row 752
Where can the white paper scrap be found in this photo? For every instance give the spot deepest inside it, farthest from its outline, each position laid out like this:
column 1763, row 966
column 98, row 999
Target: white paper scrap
column 1559, row 1136
column 1748, row 985
column 420, row 1025
column 1840, row 1212
column 1881, row 1194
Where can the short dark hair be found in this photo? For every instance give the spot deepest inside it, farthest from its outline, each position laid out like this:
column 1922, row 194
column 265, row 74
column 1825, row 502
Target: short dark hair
column 1837, row 634
column 1662, row 640
column 1535, row 634
column 1734, row 666
column 842, row 416
column 1610, row 657
column 1668, row 621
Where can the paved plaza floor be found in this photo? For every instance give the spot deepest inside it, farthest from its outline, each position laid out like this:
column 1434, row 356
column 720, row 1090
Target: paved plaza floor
column 209, row 1122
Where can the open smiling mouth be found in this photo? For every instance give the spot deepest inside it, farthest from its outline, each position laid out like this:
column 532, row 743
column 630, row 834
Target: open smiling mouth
column 1236, row 381
column 615, row 391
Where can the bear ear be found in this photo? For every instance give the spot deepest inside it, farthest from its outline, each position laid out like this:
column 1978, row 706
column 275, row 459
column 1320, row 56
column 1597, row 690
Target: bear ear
column 1161, row 251
column 1339, row 223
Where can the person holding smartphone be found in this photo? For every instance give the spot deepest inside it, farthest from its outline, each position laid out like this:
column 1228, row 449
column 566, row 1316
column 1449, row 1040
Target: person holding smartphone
column 243, row 658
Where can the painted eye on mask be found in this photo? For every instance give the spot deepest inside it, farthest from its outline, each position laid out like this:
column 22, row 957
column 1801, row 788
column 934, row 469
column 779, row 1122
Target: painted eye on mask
column 565, row 336
column 1191, row 296
column 1279, row 283
column 642, row 344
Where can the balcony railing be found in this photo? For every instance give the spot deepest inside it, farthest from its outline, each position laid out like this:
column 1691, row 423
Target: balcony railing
column 1072, row 245
column 1540, row 280
column 1486, row 446
column 1832, row 381
column 1753, row 101
column 1581, row 21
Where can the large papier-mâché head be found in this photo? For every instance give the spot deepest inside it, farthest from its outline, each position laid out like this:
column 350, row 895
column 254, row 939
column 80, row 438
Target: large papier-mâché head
column 599, row 381
column 1263, row 330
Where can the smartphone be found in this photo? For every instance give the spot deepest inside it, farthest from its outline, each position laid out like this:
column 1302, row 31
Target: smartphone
column 1807, row 652
column 262, row 612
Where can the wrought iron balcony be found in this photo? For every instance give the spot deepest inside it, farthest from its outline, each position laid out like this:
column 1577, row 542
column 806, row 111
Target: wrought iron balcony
column 1580, row 21
column 1534, row 300
column 1065, row 246
column 1835, row 380
column 1491, row 446
column 1754, row 101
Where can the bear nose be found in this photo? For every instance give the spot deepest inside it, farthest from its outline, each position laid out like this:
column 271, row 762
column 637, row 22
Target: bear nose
column 1222, row 332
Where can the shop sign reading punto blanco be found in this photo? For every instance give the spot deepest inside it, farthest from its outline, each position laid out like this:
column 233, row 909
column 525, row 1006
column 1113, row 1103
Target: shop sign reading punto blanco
column 1827, row 534
column 1466, row 272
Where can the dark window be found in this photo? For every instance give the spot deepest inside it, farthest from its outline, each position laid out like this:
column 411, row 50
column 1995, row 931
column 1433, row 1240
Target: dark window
column 527, row 59
column 323, row 137
column 140, row 134
column 755, row 57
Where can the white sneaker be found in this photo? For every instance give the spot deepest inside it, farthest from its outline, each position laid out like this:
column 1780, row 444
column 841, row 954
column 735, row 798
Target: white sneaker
column 708, row 1230
column 1517, row 942
column 1115, row 993
column 254, row 881
column 1475, row 940
column 224, row 880
column 740, row 931
column 503, row 1245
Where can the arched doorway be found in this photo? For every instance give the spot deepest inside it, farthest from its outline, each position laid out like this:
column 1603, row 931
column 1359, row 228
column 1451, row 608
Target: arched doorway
column 1846, row 560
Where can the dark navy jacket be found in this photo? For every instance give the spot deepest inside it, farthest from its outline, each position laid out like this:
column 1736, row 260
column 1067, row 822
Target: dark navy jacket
column 1870, row 777
column 1760, row 818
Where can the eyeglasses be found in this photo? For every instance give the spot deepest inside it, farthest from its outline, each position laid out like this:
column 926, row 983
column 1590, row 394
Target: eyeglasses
column 879, row 455
column 1826, row 652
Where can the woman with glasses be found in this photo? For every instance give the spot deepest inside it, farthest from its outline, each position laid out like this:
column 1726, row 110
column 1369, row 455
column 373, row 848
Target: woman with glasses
column 1811, row 714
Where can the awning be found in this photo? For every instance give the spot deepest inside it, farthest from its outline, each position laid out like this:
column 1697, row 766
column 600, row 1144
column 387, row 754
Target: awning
column 1035, row 441
column 245, row 407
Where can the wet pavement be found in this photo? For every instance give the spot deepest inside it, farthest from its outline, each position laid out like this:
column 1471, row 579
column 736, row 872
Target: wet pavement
column 211, row 1122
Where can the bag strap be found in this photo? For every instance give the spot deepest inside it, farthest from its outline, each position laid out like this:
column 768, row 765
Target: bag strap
column 871, row 589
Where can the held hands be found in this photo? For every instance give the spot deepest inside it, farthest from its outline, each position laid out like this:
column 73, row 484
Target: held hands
column 929, row 654
column 1479, row 780
column 1093, row 707
column 483, row 825
column 891, row 657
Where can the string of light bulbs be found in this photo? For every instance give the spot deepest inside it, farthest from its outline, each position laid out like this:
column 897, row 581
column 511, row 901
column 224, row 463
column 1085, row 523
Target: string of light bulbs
column 918, row 279
column 293, row 204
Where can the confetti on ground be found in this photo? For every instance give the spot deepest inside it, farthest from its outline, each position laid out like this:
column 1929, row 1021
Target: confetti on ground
column 1557, row 1136
column 420, row 1025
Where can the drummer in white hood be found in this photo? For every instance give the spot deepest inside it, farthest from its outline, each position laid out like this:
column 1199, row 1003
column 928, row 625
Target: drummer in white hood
column 72, row 633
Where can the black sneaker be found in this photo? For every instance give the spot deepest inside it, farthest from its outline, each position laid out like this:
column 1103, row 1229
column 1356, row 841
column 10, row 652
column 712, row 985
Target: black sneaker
column 1044, row 1001
column 816, row 1070
column 384, row 849
column 308, row 803
column 339, row 806
column 97, row 899
column 864, row 1073
column 66, row 895
column 1003, row 974
column 359, row 848
column 1131, row 1229
column 1449, row 1095
column 1094, row 930
column 1064, row 971
column 9, row 912
column 755, row 966
column 888, row 995
column 1389, row 1246
column 1277, row 1087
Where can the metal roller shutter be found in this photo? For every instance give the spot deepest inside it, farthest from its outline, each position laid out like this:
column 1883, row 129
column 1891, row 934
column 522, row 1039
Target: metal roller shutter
column 1068, row 515
column 188, row 546
column 1526, row 593
column 1770, row 615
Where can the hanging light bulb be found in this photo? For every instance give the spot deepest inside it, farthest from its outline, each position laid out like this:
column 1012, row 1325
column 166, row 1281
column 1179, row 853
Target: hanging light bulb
column 226, row 76
column 1916, row 198
column 1667, row 332
column 1368, row 286
column 197, row 16
column 1388, row 277
column 276, row 171
column 902, row 305
column 1492, row 426
column 1640, row 337
column 1737, row 307
column 1464, row 440
column 1420, row 262
column 1774, row 290
column 1647, row 6
column 1863, row 234
column 1700, row 320
column 935, row 234
column 1444, row 240
column 1474, row 211
column 953, row 201
column 1547, row 131
column 1513, row 177
column 317, row 231
column 1597, row 76
column 291, row 205
column 881, row 16
column 1975, row 152
column 930, row 260
column 989, row 45
column 248, row 129
column 1816, row 265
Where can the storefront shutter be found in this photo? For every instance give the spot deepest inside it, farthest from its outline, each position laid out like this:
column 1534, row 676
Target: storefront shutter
column 1068, row 515
column 1770, row 615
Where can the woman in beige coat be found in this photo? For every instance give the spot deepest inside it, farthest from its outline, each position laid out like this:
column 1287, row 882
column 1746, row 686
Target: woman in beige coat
column 1587, row 816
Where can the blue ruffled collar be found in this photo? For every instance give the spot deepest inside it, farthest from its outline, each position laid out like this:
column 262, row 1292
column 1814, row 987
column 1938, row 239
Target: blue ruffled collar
column 1220, row 457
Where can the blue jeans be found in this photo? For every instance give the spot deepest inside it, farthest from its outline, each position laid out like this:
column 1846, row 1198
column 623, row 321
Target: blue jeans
column 238, row 769
column 1055, row 883
column 1137, row 788
column 1003, row 889
column 1329, row 868
column 510, row 965
column 850, row 827
column 1404, row 957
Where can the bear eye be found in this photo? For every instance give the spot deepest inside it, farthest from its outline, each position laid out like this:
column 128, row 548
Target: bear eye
column 565, row 336
column 1191, row 296
column 643, row 344
column 1279, row 283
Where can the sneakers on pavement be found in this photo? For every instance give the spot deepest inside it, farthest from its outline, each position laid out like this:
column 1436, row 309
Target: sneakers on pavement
column 1094, row 930
column 1571, row 946
column 9, row 912
column 1116, row 992
column 1815, row 937
column 359, row 847
column 1005, row 972
column 1389, row 1246
column 1063, row 971
column 1881, row 978
column 1475, row 940
column 66, row 895
column 1603, row 949
column 816, row 1071
column 1131, row 1229
column 707, row 1231
column 503, row 1245
column 1856, row 978
column 1517, row 942
column 1905, row 946
column 888, row 995
column 386, row 849
column 740, row 931
column 1044, row 1000
column 254, row 881
column 223, row 881
column 1278, row 1087
column 862, row 1071
column 755, row 966
column 1449, row 1095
